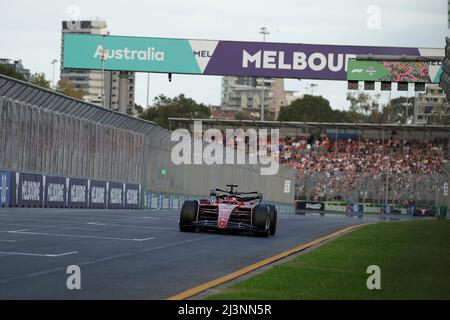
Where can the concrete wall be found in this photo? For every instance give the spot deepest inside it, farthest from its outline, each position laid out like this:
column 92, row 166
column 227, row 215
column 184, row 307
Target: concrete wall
column 34, row 139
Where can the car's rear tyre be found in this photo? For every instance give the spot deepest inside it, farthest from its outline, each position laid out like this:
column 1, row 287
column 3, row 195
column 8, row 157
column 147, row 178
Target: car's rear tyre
column 273, row 216
column 188, row 215
column 261, row 220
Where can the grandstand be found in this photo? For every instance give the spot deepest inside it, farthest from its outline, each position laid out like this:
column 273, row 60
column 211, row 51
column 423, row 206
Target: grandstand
column 358, row 163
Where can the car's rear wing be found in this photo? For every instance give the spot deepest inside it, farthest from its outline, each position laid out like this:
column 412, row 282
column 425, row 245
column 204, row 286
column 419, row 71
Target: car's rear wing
column 241, row 196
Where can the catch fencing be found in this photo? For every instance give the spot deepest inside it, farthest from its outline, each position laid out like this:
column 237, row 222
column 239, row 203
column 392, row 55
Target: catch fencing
column 61, row 139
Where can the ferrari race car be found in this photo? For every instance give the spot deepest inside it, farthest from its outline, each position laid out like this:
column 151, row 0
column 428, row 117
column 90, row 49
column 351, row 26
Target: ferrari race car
column 229, row 210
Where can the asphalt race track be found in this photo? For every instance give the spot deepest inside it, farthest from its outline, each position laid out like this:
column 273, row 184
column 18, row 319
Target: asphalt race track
column 130, row 254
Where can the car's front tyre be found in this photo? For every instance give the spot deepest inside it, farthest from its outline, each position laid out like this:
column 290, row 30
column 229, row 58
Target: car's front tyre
column 188, row 215
column 261, row 220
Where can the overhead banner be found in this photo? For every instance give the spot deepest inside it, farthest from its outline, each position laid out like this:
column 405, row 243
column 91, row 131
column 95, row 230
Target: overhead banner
column 223, row 58
column 393, row 71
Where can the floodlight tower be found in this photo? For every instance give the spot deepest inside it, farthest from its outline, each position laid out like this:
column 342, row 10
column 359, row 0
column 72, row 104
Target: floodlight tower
column 264, row 33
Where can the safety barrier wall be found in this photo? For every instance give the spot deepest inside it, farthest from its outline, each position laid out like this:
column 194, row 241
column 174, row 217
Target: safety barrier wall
column 33, row 139
column 164, row 201
column 18, row 189
column 55, row 136
column 346, row 207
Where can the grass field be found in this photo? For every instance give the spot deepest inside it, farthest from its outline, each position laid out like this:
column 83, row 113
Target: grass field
column 414, row 258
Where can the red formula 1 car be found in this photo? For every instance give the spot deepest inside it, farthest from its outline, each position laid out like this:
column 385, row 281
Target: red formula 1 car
column 230, row 210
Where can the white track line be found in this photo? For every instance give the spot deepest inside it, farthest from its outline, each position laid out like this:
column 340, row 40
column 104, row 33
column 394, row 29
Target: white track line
column 75, row 236
column 127, row 226
column 41, row 226
column 104, row 259
column 49, row 255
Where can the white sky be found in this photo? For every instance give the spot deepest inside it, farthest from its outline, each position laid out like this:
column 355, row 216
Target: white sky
column 31, row 31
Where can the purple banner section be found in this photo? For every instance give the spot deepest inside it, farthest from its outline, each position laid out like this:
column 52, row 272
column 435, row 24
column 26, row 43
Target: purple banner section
column 283, row 60
column 30, row 190
column 78, row 193
column 98, row 195
column 115, row 195
column 132, row 196
column 55, row 192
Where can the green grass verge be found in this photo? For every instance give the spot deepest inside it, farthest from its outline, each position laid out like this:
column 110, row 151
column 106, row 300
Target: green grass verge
column 414, row 258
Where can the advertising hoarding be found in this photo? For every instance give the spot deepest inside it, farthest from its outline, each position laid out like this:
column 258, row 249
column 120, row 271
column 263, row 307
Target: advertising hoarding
column 5, row 188
column 214, row 57
column 30, row 190
column 115, row 195
column 78, row 193
column 98, row 195
column 132, row 196
column 55, row 194
column 394, row 71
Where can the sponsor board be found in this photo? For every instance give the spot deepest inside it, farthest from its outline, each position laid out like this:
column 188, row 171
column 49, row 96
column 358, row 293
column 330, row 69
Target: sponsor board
column 29, row 190
column 78, row 192
column 55, row 195
column 98, row 194
column 310, row 205
column 132, row 196
column 371, row 209
column 175, row 202
column 335, row 207
column 115, row 195
column 393, row 71
column 214, row 57
column 165, row 202
column 5, row 188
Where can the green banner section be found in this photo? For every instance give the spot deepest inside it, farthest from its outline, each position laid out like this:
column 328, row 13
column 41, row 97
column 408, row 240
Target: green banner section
column 129, row 54
column 394, row 71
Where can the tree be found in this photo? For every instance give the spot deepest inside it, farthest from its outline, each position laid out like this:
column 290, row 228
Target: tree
column 243, row 115
column 365, row 104
column 39, row 79
column 311, row 109
column 10, row 71
column 178, row 107
column 67, row 88
column 398, row 110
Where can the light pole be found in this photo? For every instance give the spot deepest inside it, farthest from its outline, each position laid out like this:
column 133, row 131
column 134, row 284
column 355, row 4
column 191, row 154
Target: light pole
column 53, row 76
column 312, row 86
column 264, row 32
column 148, row 88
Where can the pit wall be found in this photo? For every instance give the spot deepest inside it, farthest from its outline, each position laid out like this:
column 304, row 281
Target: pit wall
column 20, row 189
column 174, row 202
column 345, row 207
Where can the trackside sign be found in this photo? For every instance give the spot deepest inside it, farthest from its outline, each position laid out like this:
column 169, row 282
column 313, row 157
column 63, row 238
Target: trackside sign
column 213, row 57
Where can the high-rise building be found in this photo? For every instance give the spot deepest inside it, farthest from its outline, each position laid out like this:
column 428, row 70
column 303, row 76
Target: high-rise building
column 431, row 107
column 110, row 89
column 245, row 93
column 18, row 66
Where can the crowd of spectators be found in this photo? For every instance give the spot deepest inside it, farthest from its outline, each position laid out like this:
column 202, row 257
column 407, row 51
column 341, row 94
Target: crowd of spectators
column 340, row 166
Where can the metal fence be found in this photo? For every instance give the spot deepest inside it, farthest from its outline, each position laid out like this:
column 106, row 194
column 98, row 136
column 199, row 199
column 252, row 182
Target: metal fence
column 37, row 140
column 365, row 188
column 47, row 133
